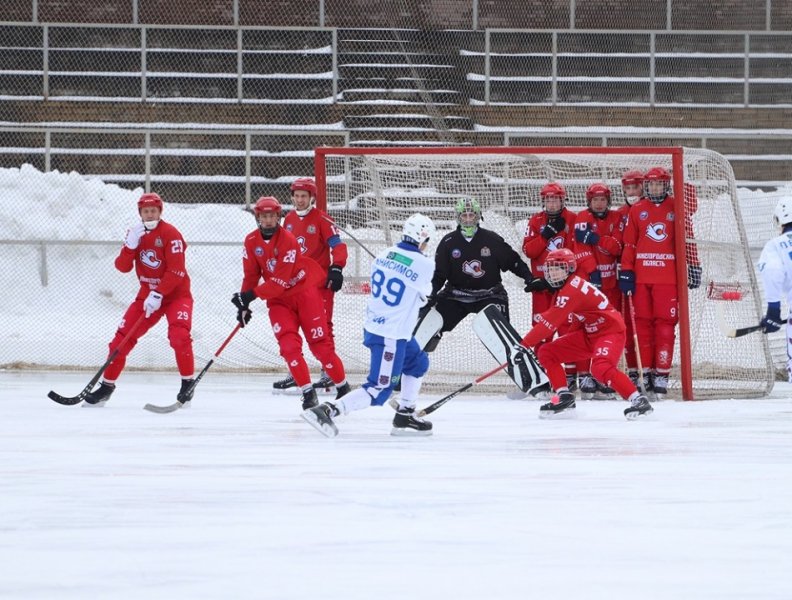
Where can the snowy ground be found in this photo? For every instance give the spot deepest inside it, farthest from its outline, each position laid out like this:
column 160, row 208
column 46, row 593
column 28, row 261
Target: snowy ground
column 238, row 498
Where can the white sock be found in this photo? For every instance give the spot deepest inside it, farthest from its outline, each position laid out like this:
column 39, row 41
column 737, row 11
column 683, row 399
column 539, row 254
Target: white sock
column 410, row 388
column 355, row 400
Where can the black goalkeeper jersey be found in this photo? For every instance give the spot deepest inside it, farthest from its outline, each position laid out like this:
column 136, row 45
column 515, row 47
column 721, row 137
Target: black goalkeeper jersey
column 470, row 270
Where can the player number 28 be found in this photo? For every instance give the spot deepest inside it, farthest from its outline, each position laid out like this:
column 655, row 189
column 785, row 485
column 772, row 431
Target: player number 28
column 391, row 290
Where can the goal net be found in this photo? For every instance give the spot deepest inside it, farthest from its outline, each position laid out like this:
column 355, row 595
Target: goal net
column 371, row 191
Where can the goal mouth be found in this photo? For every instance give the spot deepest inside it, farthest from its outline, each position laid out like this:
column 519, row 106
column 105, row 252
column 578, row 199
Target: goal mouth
column 731, row 291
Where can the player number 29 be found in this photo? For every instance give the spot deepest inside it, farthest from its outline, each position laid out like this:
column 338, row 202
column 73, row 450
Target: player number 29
column 391, row 290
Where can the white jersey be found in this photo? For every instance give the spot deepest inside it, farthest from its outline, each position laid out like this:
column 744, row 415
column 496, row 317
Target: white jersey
column 401, row 280
column 775, row 268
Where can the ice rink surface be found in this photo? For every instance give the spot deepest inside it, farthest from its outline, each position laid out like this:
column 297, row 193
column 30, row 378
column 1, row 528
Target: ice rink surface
column 237, row 497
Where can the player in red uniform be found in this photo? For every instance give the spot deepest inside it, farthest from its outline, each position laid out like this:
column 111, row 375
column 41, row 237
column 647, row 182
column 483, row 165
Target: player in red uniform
column 648, row 274
column 291, row 290
column 632, row 186
column 156, row 250
column 598, row 232
column 597, row 334
column 320, row 240
column 549, row 230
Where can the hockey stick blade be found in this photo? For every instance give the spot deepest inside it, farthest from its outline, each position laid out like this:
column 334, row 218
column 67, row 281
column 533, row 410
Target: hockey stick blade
column 731, row 332
column 162, row 410
column 435, row 405
column 69, row 401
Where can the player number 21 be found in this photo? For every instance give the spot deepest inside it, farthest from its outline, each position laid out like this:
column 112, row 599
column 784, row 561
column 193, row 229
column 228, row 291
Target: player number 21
column 391, row 290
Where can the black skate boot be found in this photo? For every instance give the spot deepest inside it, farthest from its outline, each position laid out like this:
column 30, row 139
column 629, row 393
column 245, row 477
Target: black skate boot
column 284, row 384
column 186, row 392
column 648, row 384
column 640, row 407
column 604, row 392
column 324, row 384
column 572, row 383
column 100, row 395
column 406, row 423
column 660, row 385
column 635, row 378
column 342, row 390
column 309, row 399
column 561, row 406
column 543, row 392
column 321, row 418
column 588, row 386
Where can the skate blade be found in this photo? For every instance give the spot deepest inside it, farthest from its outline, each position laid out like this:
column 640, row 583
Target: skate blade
column 635, row 416
column 99, row 404
column 569, row 413
column 409, row 432
column 327, row 430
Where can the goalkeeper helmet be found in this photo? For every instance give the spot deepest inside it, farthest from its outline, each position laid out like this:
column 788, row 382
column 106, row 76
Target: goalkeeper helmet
column 418, row 230
column 468, row 213
column 782, row 214
column 559, row 265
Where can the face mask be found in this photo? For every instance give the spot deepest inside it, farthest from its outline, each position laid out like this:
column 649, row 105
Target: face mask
column 149, row 225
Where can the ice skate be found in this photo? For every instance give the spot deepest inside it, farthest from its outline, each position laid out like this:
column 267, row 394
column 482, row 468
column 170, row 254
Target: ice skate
column 324, row 385
column 405, row 423
column 604, row 392
column 309, row 399
column 572, row 383
column 186, row 392
column 648, row 385
column 640, row 407
column 562, row 406
column 660, row 385
column 285, row 385
column 342, row 390
column 588, row 386
column 321, row 418
column 100, row 395
column 543, row 392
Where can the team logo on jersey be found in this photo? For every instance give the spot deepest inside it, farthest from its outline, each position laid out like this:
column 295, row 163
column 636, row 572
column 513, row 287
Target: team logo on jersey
column 387, row 356
column 276, row 328
column 289, row 227
column 149, row 258
column 384, row 380
column 485, row 251
column 303, row 247
column 271, row 264
column 555, row 244
column 311, row 229
column 158, row 242
column 473, row 268
column 656, row 232
column 258, row 251
column 456, row 253
column 643, row 215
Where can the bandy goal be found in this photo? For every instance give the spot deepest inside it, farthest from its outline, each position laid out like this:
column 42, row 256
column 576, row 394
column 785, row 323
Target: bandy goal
column 371, row 191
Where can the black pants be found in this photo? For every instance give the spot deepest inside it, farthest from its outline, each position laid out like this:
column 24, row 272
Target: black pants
column 453, row 312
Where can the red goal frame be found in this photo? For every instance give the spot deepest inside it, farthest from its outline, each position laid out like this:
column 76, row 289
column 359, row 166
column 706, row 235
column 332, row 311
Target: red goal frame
column 677, row 161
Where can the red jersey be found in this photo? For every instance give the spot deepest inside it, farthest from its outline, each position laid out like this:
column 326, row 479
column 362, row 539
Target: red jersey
column 536, row 247
column 158, row 261
column 317, row 236
column 649, row 242
column 587, row 307
column 280, row 263
column 608, row 249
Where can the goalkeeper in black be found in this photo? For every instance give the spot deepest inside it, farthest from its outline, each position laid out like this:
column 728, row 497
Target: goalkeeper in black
column 468, row 266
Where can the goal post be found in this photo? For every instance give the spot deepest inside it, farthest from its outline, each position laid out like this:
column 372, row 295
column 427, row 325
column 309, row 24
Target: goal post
column 370, row 191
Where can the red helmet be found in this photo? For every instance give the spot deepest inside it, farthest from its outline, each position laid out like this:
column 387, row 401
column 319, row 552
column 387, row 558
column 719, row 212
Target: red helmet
column 305, row 184
column 598, row 189
column 267, row 204
column 563, row 257
column 150, row 199
column 553, row 189
column 657, row 174
column 632, row 178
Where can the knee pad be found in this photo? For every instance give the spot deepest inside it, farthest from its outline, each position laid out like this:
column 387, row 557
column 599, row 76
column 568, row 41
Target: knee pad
column 179, row 337
column 418, row 366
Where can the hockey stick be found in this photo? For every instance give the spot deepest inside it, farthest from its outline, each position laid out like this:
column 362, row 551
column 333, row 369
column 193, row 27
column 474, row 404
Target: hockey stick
column 434, row 406
column 71, row 401
column 631, row 306
column 352, row 237
column 178, row 404
column 728, row 331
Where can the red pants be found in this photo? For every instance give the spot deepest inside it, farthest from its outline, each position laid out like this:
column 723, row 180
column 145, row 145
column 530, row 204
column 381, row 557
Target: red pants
column 178, row 312
column 614, row 296
column 542, row 301
column 304, row 311
column 656, row 316
column 328, row 296
column 603, row 350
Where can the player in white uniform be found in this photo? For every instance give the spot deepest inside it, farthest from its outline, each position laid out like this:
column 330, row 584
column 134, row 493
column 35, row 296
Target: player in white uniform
column 775, row 268
column 401, row 281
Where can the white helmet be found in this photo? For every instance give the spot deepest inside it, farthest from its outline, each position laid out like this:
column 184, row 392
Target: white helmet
column 783, row 211
column 418, row 229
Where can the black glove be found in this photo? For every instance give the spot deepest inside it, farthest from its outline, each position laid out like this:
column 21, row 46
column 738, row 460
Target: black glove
column 694, row 277
column 554, row 226
column 335, row 278
column 627, row 282
column 243, row 316
column 595, row 277
column 772, row 321
column 586, row 236
column 538, row 284
column 243, row 299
